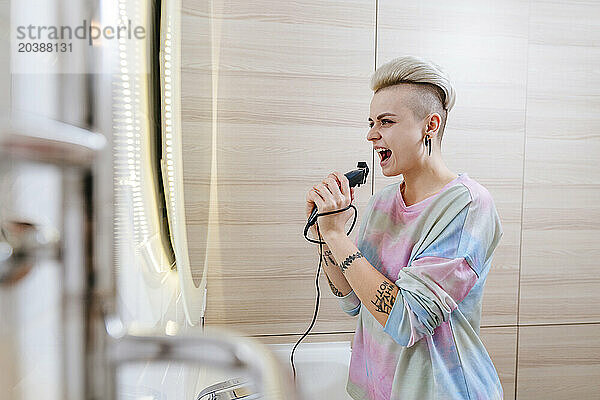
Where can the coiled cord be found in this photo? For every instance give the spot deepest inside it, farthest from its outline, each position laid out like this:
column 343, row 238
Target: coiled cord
column 321, row 243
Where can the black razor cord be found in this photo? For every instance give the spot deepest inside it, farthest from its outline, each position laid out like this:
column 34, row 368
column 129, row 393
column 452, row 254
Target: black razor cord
column 321, row 243
column 355, row 178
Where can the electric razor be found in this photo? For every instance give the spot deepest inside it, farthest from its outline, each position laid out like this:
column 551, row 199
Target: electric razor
column 355, row 177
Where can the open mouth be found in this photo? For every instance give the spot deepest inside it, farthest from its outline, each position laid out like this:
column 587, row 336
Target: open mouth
column 385, row 154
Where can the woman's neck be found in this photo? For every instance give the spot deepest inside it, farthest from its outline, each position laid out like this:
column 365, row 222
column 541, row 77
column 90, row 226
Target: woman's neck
column 417, row 188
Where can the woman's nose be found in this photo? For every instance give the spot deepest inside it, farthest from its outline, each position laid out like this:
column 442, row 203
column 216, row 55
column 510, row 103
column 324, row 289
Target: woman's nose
column 372, row 134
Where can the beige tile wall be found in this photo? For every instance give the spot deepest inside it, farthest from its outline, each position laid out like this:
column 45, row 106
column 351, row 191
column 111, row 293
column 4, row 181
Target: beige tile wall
column 272, row 91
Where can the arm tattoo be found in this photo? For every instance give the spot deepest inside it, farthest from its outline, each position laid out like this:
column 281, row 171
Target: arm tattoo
column 384, row 299
column 349, row 260
column 329, row 256
column 333, row 288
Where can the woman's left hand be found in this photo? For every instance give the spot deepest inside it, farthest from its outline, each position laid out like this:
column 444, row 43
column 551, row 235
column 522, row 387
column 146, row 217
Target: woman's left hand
column 334, row 193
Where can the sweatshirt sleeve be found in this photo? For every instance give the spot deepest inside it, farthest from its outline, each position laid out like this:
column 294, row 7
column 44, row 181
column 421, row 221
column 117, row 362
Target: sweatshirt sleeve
column 350, row 303
column 442, row 276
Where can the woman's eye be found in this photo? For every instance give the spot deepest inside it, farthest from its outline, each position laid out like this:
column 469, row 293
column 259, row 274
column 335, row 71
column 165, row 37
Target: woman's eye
column 382, row 122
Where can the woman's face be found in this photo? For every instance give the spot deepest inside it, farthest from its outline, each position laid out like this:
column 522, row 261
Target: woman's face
column 393, row 126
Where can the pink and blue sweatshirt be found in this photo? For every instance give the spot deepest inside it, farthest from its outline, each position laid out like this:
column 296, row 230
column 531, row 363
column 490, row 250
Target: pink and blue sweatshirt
column 438, row 252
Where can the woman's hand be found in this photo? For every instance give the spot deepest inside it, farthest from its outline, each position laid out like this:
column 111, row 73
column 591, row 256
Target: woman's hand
column 334, row 193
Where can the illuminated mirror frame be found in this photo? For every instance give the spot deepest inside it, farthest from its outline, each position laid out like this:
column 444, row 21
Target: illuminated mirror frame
column 194, row 297
column 150, row 228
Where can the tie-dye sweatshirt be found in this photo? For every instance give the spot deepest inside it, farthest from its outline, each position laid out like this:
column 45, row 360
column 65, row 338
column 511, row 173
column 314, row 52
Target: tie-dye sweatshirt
column 438, row 252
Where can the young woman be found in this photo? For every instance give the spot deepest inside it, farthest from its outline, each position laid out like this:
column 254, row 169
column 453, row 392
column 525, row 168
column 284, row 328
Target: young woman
column 416, row 273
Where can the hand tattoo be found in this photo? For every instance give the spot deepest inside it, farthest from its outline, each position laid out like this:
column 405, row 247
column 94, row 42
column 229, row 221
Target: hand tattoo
column 349, row 260
column 384, row 299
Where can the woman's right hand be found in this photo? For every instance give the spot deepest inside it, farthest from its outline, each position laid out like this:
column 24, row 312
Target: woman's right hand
column 310, row 204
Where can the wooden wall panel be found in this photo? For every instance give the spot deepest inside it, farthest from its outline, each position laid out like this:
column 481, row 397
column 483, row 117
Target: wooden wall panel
column 561, row 217
column 283, row 98
column 559, row 362
column 501, row 344
column 483, row 46
column 286, row 91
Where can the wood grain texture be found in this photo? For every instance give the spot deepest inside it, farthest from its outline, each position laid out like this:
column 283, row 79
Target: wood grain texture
column 501, row 345
column 282, row 96
column 311, row 338
column 559, row 362
column 561, row 217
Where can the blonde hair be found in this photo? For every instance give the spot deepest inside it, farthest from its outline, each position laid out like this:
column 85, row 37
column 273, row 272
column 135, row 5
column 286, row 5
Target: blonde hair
column 431, row 87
